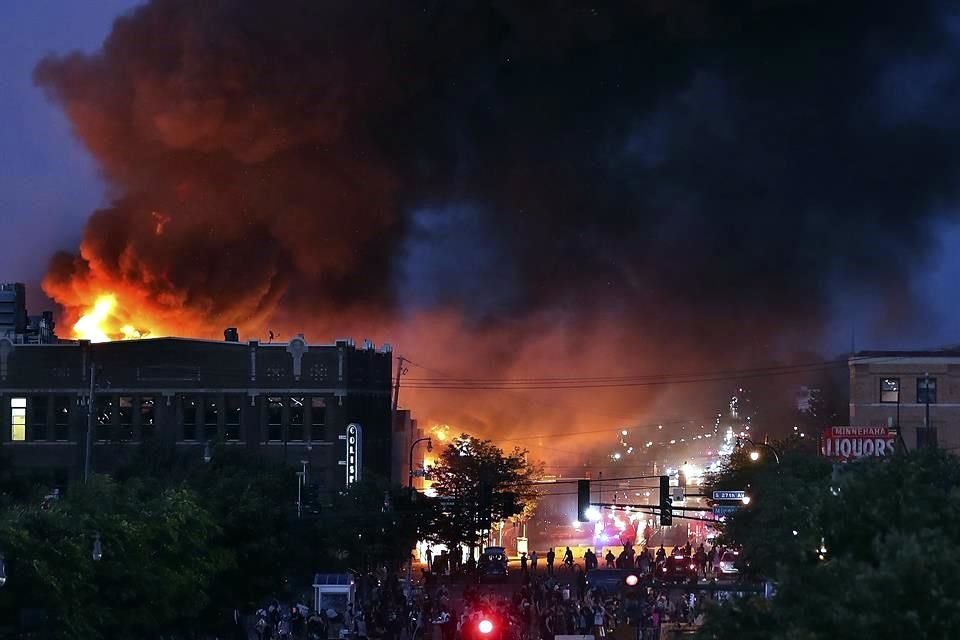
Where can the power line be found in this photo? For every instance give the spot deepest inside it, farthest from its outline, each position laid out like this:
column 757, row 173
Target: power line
column 612, row 382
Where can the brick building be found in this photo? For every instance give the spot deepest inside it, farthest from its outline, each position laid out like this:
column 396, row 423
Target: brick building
column 919, row 390
column 290, row 401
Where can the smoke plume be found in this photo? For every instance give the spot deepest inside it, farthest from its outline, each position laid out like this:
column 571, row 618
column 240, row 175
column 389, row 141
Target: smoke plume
column 580, row 188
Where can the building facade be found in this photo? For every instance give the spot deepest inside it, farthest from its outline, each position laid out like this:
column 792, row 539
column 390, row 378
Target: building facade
column 291, row 402
column 15, row 324
column 919, row 391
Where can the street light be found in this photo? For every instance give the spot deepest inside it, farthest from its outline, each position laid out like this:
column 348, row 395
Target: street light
column 3, row 571
column 207, row 455
column 429, row 442
column 776, row 454
column 300, row 479
column 97, row 548
column 745, row 499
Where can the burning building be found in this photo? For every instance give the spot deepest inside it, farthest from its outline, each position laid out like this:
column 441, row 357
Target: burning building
column 289, row 401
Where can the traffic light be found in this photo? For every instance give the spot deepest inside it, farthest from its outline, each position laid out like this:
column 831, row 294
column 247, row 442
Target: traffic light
column 583, row 500
column 666, row 504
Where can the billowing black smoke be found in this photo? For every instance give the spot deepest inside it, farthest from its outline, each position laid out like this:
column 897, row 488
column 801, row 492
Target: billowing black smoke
column 693, row 173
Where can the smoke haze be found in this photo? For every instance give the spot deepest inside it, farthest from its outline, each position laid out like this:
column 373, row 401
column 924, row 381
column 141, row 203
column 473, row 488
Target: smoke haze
column 581, row 188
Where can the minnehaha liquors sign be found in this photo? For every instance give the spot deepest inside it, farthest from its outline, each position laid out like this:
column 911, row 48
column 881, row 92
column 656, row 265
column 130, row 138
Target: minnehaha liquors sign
column 858, row 442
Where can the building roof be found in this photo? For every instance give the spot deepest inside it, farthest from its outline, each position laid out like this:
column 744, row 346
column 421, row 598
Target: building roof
column 946, row 352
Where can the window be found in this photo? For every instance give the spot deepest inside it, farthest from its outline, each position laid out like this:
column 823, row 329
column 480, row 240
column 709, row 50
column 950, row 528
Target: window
column 890, row 390
column 190, row 406
column 926, row 390
column 295, row 431
column 104, row 417
column 148, row 413
column 232, row 418
column 318, row 416
column 211, row 415
column 274, row 419
column 61, row 418
column 38, row 417
column 18, row 419
column 125, row 412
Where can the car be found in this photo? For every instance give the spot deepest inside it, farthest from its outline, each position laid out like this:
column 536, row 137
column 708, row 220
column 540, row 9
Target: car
column 678, row 567
column 728, row 563
column 493, row 563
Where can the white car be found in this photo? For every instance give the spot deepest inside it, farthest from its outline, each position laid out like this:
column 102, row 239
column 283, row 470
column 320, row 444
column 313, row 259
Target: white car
column 728, row 563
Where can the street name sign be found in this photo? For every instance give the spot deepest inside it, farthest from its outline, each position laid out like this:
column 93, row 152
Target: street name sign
column 721, row 510
column 728, row 495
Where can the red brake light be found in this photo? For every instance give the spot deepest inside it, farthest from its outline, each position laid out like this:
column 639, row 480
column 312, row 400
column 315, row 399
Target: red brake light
column 485, row 626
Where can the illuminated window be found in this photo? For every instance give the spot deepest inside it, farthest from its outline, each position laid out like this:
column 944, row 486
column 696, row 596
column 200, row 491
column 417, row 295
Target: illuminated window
column 274, row 419
column 38, row 417
column 18, row 419
column 890, row 390
column 926, row 390
column 295, row 431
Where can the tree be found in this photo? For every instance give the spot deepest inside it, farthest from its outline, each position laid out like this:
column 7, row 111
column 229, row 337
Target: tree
column 784, row 498
column 477, row 485
column 375, row 525
column 890, row 562
column 154, row 574
column 254, row 503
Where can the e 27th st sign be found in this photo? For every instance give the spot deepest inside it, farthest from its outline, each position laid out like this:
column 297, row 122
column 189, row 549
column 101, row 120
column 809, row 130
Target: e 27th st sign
column 849, row 443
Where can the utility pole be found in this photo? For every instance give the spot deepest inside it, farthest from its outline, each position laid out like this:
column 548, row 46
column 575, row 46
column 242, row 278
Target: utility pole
column 396, row 384
column 88, row 448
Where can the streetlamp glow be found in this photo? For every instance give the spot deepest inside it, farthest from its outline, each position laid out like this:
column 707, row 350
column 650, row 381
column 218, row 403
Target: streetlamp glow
column 745, row 499
column 593, row 514
column 3, row 571
column 754, row 455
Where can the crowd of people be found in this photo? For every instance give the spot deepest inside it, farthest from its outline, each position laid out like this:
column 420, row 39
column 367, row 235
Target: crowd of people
column 544, row 606
column 552, row 598
column 645, row 562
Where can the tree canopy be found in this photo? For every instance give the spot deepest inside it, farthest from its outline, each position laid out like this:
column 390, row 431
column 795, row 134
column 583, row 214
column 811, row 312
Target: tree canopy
column 888, row 528
column 478, row 484
column 184, row 543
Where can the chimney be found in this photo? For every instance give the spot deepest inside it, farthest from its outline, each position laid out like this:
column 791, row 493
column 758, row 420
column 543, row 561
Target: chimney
column 230, row 334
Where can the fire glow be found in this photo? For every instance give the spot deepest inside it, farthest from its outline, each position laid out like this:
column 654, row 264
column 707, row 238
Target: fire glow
column 102, row 323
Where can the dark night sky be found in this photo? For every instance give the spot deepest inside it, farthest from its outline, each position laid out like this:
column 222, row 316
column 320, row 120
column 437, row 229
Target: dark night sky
column 49, row 185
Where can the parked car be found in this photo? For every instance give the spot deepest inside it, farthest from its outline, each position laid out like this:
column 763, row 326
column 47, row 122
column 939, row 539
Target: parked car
column 493, row 563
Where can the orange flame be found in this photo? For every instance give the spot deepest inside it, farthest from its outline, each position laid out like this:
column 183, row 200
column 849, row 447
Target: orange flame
column 102, row 324
column 440, row 431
